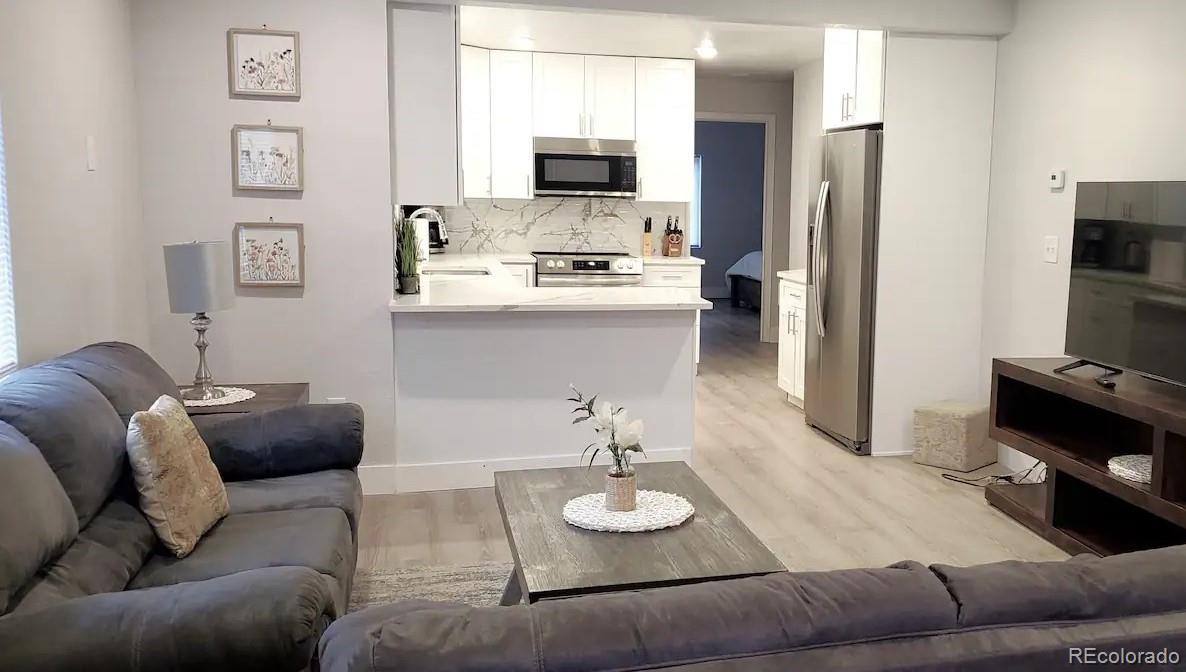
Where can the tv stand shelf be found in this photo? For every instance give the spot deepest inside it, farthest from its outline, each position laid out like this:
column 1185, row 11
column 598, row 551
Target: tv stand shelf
column 1075, row 426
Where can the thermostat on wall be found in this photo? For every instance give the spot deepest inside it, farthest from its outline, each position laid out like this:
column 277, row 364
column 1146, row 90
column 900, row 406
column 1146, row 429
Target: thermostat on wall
column 1057, row 179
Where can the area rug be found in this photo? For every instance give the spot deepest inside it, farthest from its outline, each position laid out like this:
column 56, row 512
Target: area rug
column 476, row 585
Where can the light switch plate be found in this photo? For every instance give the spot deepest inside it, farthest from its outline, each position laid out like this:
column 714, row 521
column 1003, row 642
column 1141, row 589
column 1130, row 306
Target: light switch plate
column 1050, row 249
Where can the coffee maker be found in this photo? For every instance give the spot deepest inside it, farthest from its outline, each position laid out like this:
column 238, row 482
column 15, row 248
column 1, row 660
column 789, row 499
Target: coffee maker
column 438, row 235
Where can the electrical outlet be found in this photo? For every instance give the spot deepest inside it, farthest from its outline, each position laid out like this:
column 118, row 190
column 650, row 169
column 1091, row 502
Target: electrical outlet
column 1050, row 249
column 335, row 400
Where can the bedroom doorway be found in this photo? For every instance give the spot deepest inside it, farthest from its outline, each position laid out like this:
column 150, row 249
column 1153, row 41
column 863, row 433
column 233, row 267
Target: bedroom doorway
column 730, row 215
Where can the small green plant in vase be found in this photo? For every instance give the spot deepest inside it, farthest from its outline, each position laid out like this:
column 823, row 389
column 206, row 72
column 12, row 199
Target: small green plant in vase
column 617, row 435
column 406, row 251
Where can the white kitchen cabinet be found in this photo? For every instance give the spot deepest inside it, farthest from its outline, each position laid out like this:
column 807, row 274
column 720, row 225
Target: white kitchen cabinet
column 1132, row 201
column 423, row 98
column 609, row 97
column 1091, row 200
column 523, row 272
column 1171, row 203
column 792, row 339
column 475, row 122
column 854, row 72
column 512, row 157
column 677, row 272
column 665, row 105
column 559, row 95
column 579, row 96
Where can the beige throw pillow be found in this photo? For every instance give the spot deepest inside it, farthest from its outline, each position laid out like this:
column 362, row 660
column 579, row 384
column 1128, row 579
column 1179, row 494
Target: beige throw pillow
column 181, row 491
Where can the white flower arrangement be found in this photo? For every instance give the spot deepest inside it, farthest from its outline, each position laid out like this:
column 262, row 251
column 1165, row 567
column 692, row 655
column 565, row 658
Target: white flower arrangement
column 615, row 432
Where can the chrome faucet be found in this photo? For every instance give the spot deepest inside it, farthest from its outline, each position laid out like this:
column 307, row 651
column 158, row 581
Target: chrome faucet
column 431, row 213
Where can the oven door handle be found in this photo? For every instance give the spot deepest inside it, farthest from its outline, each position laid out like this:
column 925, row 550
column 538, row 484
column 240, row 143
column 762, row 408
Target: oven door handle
column 556, row 280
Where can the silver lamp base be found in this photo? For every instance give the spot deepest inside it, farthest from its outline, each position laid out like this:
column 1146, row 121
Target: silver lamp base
column 203, row 388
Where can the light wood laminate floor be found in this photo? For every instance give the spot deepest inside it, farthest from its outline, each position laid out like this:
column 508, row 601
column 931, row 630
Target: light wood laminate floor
column 815, row 505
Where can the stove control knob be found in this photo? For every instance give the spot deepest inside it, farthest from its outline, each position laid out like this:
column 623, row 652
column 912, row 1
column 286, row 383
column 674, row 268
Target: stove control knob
column 630, row 264
column 621, row 265
column 551, row 264
column 560, row 263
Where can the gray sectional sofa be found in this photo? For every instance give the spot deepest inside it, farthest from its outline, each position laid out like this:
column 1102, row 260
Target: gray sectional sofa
column 1013, row 616
column 84, row 584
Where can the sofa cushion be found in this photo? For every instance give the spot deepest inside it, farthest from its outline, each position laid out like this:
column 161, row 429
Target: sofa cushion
column 125, row 374
column 333, row 488
column 315, row 538
column 73, row 426
column 37, row 521
column 1082, row 588
column 102, row 559
column 181, row 492
column 663, row 626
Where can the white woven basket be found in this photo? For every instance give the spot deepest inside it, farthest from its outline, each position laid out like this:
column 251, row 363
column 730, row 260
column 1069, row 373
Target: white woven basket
column 654, row 511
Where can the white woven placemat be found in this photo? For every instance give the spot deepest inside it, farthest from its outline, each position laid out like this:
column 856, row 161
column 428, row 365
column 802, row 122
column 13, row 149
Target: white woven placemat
column 1137, row 468
column 654, row 510
column 233, row 396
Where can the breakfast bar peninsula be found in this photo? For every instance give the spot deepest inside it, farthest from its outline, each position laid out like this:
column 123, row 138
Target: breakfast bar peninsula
column 483, row 366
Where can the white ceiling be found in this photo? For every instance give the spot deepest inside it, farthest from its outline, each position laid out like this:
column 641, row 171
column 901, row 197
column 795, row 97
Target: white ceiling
column 748, row 50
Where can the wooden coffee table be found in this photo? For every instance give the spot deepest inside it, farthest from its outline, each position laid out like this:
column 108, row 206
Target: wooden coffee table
column 554, row 559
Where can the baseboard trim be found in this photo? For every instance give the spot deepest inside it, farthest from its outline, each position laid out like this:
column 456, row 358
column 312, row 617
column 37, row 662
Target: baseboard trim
column 891, row 453
column 377, row 479
column 480, row 473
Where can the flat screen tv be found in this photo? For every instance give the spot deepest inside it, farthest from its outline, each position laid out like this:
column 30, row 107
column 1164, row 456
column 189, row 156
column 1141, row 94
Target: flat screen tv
column 1127, row 304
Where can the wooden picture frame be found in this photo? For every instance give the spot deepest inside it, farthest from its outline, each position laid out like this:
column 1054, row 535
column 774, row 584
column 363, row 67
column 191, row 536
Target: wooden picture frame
column 268, row 158
column 263, row 63
column 264, row 255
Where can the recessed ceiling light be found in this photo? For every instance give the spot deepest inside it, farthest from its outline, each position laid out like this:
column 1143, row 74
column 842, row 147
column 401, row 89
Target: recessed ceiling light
column 706, row 50
column 522, row 42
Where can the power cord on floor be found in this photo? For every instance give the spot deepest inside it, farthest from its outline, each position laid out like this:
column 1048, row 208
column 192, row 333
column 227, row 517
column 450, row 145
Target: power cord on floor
column 1015, row 478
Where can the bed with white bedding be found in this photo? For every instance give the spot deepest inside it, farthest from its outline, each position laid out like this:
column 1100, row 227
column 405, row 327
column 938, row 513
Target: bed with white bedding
column 744, row 279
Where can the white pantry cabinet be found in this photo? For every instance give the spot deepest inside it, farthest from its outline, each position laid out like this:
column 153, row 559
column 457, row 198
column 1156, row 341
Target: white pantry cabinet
column 678, row 272
column 475, row 122
column 579, row 96
column 512, row 156
column 665, row 104
column 792, row 338
column 854, row 71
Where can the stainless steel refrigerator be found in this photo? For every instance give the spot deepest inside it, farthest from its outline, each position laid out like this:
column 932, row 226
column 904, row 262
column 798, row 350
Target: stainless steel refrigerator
column 841, row 282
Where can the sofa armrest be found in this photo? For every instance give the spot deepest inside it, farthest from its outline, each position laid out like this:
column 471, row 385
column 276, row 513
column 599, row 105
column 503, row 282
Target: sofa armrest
column 286, row 441
column 263, row 619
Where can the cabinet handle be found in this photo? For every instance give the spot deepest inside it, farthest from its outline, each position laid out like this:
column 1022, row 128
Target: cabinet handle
column 592, row 133
column 528, row 183
column 581, row 121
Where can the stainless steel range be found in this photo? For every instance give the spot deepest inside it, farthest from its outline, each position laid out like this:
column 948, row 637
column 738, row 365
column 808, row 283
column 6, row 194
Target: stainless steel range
column 587, row 269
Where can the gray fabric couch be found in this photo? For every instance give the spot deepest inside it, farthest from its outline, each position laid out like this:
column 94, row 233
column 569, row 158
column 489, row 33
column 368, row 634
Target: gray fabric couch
column 1004, row 616
column 84, row 583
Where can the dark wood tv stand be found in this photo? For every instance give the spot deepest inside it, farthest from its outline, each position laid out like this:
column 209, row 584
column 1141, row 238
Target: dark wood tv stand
column 1075, row 426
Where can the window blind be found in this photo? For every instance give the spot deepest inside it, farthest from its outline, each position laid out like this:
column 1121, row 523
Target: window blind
column 7, row 304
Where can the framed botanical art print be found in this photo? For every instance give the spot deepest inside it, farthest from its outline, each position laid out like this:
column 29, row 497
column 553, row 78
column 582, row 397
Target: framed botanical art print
column 265, row 63
column 268, row 157
column 269, row 254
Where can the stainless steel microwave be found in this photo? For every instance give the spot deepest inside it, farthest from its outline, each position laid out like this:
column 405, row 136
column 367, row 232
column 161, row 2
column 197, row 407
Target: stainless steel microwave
column 585, row 167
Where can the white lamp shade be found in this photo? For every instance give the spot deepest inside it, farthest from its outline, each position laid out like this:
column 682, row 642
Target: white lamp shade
column 199, row 276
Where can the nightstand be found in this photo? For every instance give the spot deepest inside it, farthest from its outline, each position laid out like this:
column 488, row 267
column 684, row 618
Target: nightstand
column 268, row 397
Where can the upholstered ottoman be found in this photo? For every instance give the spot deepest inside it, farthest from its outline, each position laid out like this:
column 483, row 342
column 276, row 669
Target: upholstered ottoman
column 953, row 435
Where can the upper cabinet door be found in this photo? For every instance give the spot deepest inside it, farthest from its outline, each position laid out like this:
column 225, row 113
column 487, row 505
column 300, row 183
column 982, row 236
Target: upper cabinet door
column 1091, row 200
column 559, row 96
column 1132, row 201
column 475, row 122
column 511, row 149
column 854, row 70
column 609, row 97
column 840, row 75
column 666, row 109
column 870, row 74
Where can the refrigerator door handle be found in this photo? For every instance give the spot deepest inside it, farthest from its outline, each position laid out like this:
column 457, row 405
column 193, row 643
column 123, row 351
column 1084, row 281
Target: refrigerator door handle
column 819, row 260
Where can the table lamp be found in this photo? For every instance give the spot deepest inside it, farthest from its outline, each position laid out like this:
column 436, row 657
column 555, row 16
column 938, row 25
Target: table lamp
column 200, row 280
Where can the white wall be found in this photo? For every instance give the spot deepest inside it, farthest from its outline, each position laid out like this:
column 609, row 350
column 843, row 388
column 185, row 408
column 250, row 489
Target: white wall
column 962, row 17
column 807, row 156
column 66, row 73
column 336, row 332
column 934, row 199
column 749, row 96
column 1087, row 86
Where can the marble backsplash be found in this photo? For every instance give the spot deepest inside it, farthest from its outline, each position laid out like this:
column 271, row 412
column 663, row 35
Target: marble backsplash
column 563, row 224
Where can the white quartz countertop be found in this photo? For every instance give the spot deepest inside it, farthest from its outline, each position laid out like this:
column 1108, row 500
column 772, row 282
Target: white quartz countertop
column 673, row 261
column 466, row 262
column 798, row 275
column 498, row 294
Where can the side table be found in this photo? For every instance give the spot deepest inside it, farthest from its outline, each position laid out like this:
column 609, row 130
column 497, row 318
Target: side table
column 268, row 397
